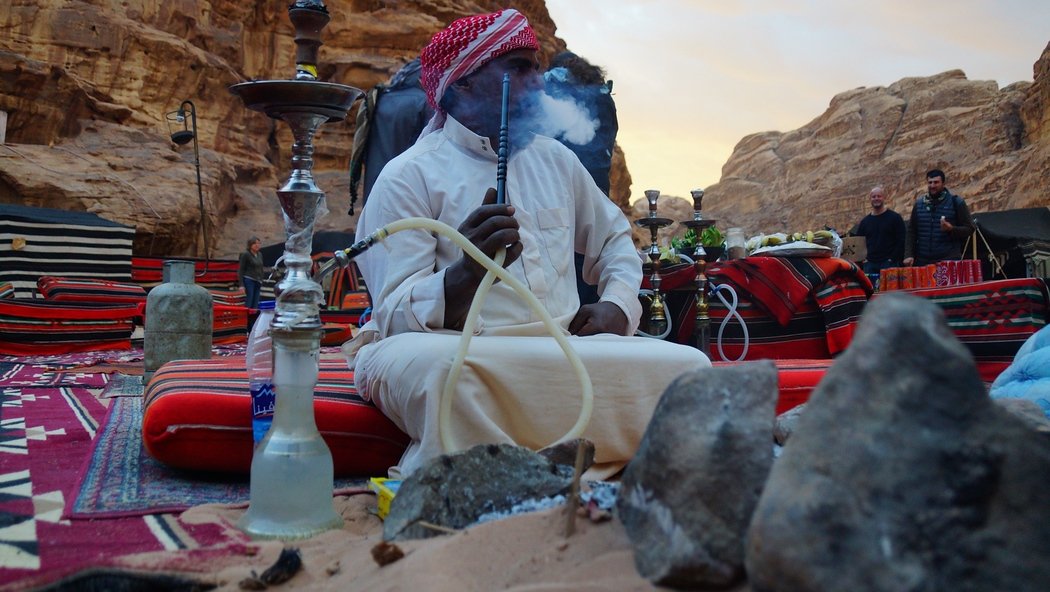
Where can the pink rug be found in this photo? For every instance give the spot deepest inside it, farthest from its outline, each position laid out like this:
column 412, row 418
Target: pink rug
column 45, row 438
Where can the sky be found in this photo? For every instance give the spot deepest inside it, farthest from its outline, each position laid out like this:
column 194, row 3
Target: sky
column 694, row 77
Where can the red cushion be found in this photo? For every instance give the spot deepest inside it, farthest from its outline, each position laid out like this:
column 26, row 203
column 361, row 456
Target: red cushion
column 198, row 417
column 32, row 327
column 797, row 378
column 61, row 289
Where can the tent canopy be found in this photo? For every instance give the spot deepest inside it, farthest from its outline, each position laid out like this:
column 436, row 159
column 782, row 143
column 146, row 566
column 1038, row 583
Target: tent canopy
column 1013, row 225
column 1020, row 239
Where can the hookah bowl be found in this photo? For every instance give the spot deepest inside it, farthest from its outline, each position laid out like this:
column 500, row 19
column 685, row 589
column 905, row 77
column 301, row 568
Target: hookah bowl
column 701, row 338
column 292, row 476
column 657, row 312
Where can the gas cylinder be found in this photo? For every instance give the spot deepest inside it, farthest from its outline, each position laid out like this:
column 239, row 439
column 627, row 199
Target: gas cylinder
column 178, row 319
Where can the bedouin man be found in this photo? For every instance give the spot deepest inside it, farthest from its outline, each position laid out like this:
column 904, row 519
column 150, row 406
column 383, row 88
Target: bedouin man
column 516, row 385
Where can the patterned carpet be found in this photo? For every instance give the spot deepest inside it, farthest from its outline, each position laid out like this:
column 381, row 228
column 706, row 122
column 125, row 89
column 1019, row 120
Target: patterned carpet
column 51, row 410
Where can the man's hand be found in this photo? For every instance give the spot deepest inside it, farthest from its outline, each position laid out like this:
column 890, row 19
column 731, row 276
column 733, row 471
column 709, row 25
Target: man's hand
column 601, row 317
column 946, row 226
column 489, row 228
column 908, row 261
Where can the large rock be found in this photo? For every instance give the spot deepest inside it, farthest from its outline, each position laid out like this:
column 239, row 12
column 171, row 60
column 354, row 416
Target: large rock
column 687, row 496
column 903, row 475
column 994, row 145
column 87, row 86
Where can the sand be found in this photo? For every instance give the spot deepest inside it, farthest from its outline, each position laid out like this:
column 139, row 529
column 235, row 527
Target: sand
column 522, row 553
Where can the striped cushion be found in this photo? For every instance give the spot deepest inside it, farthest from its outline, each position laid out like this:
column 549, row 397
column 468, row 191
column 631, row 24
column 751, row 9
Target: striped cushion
column 60, row 289
column 228, row 296
column 43, row 327
column 198, row 416
column 7, row 290
column 149, row 271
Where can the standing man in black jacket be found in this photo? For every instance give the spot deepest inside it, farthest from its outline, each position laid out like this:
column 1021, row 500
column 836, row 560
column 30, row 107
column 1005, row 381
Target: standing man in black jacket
column 940, row 222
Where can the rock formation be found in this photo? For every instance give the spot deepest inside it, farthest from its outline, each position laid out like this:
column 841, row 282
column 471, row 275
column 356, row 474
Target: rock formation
column 88, row 87
column 993, row 144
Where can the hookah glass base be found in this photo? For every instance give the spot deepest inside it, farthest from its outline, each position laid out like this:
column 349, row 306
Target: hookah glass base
column 292, row 473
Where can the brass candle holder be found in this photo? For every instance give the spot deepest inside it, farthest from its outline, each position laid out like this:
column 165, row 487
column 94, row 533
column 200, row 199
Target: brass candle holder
column 657, row 311
column 701, row 337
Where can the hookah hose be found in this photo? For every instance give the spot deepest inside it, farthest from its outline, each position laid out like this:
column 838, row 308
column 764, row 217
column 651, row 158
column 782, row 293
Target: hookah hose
column 494, row 270
column 732, row 311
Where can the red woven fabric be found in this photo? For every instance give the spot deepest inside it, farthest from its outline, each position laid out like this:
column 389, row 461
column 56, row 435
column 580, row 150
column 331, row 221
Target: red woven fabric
column 781, row 285
column 794, row 307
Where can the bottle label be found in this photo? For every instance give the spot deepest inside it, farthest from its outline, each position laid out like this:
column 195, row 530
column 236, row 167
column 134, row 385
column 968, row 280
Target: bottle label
column 263, row 400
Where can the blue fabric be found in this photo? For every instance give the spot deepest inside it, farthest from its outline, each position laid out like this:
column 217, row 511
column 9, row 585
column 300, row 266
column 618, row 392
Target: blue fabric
column 1028, row 377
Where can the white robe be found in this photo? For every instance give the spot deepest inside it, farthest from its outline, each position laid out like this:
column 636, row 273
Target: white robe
column 513, row 388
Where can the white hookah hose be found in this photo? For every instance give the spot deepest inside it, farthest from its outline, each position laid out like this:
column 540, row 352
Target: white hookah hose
column 667, row 317
column 494, row 270
column 730, row 312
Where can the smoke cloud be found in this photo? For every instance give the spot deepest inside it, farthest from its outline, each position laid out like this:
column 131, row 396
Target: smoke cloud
column 565, row 119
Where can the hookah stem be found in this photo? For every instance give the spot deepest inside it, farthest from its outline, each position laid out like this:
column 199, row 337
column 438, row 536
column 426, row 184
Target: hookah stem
column 501, row 159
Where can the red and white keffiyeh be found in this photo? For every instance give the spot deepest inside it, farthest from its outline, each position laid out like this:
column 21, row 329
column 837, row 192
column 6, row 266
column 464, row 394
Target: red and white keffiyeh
column 464, row 46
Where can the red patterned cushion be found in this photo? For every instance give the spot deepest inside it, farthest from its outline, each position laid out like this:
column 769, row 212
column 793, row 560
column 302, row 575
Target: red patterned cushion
column 198, row 416
column 229, row 324
column 60, row 289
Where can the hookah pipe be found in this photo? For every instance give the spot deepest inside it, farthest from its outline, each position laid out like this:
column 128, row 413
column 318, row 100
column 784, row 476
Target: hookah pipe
column 658, row 318
column 701, row 337
column 501, row 158
column 494, row 269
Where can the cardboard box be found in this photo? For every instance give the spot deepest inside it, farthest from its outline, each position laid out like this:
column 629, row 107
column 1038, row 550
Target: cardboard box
column 854, row 248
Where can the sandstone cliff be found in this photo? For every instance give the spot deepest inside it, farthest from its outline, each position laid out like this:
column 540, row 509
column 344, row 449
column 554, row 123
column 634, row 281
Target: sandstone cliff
column 993, row 144
column 88, row 84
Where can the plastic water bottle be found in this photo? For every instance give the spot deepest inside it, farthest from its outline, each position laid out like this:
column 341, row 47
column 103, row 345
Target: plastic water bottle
column 260, row 371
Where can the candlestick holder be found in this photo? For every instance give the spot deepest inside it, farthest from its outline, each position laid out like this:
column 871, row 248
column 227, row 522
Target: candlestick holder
column 701, row 337
column 657, row 311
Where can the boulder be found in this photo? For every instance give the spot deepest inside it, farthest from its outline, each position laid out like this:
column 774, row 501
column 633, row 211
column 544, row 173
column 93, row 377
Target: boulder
column 903, row 474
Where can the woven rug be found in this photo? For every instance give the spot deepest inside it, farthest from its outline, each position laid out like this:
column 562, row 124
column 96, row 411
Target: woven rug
column 121, row 479
column 123, row 385
column 45, row 437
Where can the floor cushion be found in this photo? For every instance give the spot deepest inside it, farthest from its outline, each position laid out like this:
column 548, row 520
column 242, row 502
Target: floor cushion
column 61, row 289
column 198, row 416
column 35, row 327
column 797, row 378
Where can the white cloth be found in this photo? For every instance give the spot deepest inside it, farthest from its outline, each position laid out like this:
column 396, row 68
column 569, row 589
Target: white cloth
column 516, row 385
column 559, row 209
column 521, row 390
